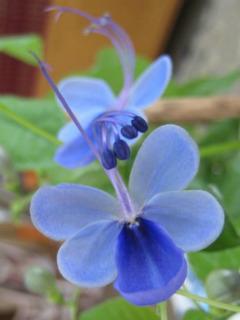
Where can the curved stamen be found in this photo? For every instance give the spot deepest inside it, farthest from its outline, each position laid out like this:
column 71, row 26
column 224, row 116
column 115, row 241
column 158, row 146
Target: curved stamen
column 125, row 123
column 110, row 138
column 126, row 54
column 123, row 56
column 61, row 9
column 120, row 40
column 124, row 38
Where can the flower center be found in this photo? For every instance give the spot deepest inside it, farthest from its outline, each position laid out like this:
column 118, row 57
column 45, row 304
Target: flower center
column 133, row 224
column 113, row 131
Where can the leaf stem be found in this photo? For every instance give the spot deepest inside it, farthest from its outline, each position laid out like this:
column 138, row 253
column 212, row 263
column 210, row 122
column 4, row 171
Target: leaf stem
column 219, row 148
column 162, row 310
column 74, row 305
column 195, row 302
column 210, row 302
column 28, row 125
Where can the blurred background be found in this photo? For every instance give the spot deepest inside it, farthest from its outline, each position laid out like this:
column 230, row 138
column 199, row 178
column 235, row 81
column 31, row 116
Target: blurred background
column 199, row 35
column 202, row 37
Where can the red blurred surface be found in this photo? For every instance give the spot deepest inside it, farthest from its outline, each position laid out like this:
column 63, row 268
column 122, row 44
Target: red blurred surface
column 19, row 17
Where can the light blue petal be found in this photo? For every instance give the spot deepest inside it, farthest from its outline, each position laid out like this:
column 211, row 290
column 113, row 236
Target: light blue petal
column 150, row 267
column 61, row 211
column 75, row 153
column 193, row 219
column 167, row 161
column 86, row 94
column 88, row 259
column 68, row 133
column 151, row 85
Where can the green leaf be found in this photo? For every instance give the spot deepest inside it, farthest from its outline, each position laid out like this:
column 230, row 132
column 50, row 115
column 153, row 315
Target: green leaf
column 92, row 175
column 118, row 309
column 230, row 188
column 220, row 138
column 107, row 66
column 19, row 46
column 28, row 134
column 203, row 87
column 196, row 315
column 28, row 131
column 205, row 262
column 228, row 238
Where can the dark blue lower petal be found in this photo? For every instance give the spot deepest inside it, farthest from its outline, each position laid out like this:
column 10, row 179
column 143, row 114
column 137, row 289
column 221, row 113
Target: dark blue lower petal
column 150, row 267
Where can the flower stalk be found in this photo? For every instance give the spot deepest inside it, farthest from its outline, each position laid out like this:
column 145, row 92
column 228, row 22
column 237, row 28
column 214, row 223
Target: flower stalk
column 161, row 310
column 210, row 302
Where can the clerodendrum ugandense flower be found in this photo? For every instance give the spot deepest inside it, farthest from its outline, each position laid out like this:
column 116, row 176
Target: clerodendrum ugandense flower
column 138, row 238
column 111, row 122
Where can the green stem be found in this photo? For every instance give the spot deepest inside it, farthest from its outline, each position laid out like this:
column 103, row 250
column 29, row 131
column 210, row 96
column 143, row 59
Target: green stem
column 162, row 310
column 210, row 302
column 28, row 125
column 220, row 148
column 196, row 303
column 74, row 305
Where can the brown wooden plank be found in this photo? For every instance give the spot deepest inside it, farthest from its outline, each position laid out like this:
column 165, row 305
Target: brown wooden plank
column 194, row 109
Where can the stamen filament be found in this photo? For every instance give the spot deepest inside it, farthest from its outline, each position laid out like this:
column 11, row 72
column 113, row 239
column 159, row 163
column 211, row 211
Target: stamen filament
column 120, row 40
column 65, row 105
column 122, row 55
column 63, row 9
column 120, row 186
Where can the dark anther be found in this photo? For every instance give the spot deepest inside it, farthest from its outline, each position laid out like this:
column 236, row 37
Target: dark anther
column 129, row 132
column 121, row 149
column 140, row 124
column 109, row 160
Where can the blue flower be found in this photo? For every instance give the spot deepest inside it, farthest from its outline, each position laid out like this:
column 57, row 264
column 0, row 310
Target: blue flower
column 141, row 248
column 111, row 122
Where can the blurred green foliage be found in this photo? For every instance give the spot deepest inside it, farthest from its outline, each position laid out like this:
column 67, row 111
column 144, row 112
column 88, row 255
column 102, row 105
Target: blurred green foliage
column 197, row 315
column 203, row 87
column 206, row 262
column 118, row 309
column 19, row 46
column 28, row 130
column 224, row 285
